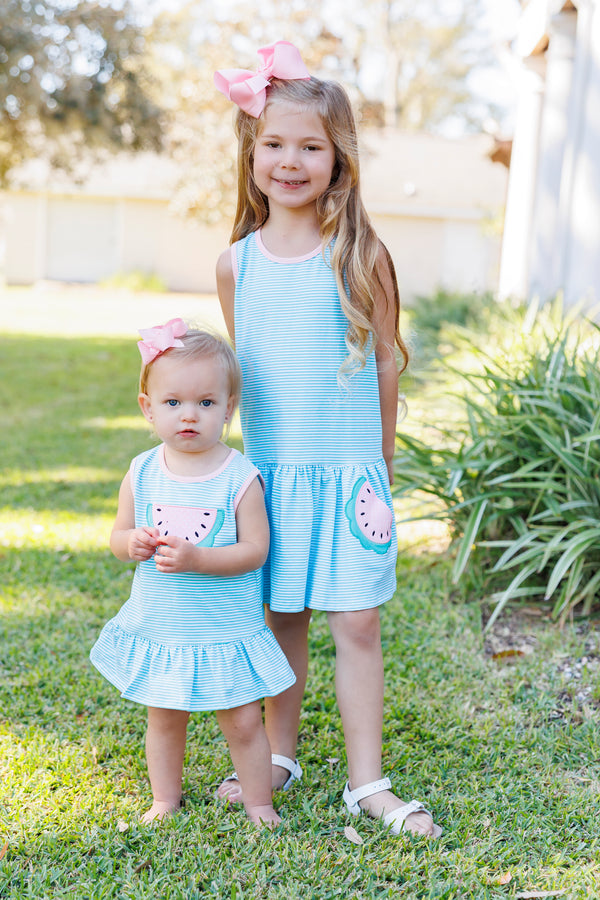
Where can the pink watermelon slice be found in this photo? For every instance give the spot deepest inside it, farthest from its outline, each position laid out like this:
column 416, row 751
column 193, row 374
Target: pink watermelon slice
column 369, row 517
column 199, row 526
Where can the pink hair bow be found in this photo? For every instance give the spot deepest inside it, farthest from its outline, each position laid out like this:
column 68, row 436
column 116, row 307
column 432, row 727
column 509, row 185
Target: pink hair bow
column 249, row 89
column 160, row 338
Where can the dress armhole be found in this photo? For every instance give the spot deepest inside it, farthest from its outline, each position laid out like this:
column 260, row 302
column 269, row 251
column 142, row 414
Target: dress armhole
column 234, row 262
column 246, row 485
column 131, row 474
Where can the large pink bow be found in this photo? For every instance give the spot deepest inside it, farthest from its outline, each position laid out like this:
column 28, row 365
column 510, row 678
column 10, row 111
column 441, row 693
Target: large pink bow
column 160, row 338
column 249, row 89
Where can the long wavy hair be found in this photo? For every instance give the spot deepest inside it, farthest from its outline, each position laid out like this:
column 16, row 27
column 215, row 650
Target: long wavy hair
column 343, row 220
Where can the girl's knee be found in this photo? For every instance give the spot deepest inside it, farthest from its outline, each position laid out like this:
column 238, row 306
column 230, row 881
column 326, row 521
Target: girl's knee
column 241, row 723
column 167, row 719
column 289, row 625
column 359, row 628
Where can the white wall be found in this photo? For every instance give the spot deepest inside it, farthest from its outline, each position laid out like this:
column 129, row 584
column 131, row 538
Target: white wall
column 429, row 253
column 87, row 239
column 81, row 242
column 24, row 222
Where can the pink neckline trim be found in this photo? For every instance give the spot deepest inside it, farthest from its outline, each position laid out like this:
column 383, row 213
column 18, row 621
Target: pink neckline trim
column 189, row 478
column 282, row 259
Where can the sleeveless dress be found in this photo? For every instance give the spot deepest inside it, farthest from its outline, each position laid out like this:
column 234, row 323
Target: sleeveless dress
column 316, row 444
column 186, row 641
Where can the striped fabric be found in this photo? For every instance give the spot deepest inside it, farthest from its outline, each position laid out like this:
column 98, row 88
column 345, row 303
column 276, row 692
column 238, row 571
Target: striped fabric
column 185, row 641
column 313, row 441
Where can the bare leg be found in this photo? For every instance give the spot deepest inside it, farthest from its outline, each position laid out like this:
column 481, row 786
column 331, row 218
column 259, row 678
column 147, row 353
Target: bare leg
column 359, row 688
column 165, row 749
column 282, row 713
column 251, row 755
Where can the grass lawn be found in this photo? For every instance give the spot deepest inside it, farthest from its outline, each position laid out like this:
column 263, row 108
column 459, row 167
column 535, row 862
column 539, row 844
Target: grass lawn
column 499, row 735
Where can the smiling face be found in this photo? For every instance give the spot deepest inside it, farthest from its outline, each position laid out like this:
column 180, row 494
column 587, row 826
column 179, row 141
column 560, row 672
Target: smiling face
column 293, row 156
column 188, row 401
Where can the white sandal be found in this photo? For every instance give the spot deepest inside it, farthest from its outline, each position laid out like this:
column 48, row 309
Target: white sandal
column 292, row 766
column 394, row 820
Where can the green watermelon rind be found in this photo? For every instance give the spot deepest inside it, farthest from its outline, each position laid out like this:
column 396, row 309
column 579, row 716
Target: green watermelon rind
column 209, row 539
column 350, row 510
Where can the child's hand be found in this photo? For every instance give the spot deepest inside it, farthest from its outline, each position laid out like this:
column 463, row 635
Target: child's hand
column 175, row 554
column 142, row 542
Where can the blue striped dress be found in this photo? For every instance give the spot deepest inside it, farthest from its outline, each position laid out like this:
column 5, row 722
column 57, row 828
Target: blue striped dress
column 187, row 641
column 318, row 446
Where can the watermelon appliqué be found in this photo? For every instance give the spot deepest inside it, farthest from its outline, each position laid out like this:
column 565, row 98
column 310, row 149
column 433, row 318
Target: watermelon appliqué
column 369, row 517
column 199, row 526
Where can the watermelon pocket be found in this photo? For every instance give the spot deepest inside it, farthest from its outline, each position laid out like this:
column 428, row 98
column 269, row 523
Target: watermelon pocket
column 199, row 526
column 370, row 519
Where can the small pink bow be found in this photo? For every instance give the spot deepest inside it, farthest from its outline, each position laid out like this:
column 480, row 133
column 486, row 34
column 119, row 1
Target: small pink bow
column 160, row 338
column 248, row 89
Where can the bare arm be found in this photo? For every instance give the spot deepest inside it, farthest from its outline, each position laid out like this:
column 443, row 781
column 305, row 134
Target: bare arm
column 226, row 290
column 249, row 553
column 126, row 541
column 387, row 368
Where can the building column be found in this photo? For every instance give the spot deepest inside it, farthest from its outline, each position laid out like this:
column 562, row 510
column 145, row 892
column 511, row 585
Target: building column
column 546, row 267
column 578, row 236
column 516, row 244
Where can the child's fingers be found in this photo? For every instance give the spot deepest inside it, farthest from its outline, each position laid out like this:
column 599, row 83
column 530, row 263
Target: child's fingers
column 169, row 540
column 163, row 555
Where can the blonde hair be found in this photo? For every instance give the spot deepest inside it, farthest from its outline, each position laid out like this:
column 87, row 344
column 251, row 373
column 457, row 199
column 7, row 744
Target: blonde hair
column 356, row 252
column 200, row 345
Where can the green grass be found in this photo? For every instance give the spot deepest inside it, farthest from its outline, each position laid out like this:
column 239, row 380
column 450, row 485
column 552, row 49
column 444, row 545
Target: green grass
column 504, row 750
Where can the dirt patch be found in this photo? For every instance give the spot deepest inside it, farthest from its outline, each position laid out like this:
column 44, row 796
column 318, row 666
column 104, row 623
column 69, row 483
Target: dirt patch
column 572, row 678
column 514, row 631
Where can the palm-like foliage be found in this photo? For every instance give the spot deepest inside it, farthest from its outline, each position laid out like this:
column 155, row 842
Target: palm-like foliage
column 519, row 478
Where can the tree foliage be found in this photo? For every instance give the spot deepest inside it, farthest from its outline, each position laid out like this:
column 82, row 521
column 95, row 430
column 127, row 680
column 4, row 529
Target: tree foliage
column 185, row 47
column 77, row 74
column 425, row 54
column 72, row 76
column 404, row 65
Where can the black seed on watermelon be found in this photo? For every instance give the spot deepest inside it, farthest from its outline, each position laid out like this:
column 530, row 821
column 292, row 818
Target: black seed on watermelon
column 190, row 523
column 374, row 531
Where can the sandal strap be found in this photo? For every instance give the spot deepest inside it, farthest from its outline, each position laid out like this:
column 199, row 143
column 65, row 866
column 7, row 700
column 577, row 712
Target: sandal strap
column 397, row 818
column 367, row 790
column 352, row 798
column 232, row 777
column 292, row 766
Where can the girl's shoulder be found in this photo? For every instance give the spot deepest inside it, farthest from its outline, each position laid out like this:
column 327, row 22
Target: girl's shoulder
column 152, row 453
column 228, row 262
column 147, row 457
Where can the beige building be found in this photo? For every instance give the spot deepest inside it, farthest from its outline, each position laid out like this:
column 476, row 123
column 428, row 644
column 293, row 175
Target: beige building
column 437, row 204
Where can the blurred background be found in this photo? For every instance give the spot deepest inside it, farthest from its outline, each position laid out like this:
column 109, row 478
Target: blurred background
column 479, row 145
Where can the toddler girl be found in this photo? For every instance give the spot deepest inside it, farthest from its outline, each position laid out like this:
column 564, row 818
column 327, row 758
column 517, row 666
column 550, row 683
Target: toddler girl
column 191, row 514
column 310, row 295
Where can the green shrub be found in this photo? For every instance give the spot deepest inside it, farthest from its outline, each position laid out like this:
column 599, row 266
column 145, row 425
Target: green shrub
column 435, row 321
column 518, row 478
column 431, row 314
